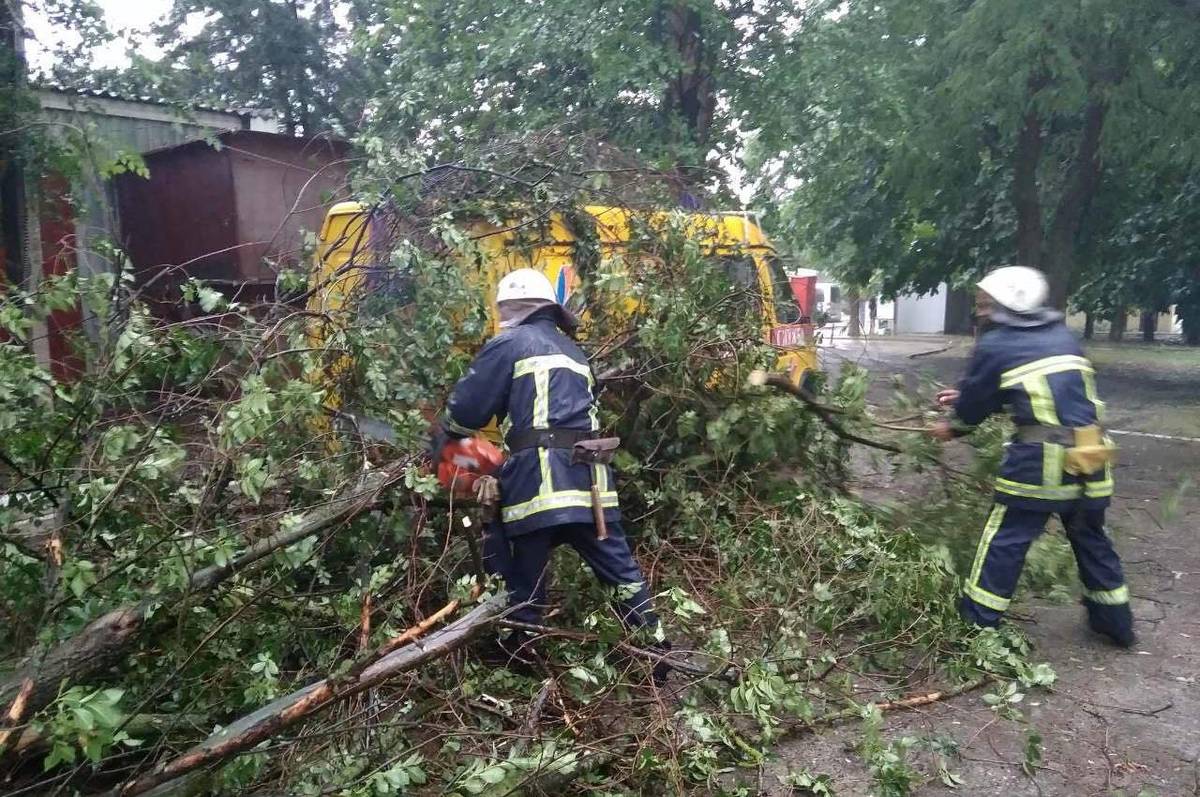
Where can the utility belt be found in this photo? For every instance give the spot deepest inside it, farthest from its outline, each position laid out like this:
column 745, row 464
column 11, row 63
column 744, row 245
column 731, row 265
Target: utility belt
column 585, row 446
column 553, row 437
column 1087, row 449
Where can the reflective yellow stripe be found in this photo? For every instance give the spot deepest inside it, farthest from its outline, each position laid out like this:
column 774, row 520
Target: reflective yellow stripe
column 1089, row 389
column 541, row 399
column 548, row 498
column 1108, row 597
column 594, row 410
column 1065, row 492
column 1044, row 367
column 547, row 362
column 985, row 598
column 1052, row 464
column 1041, row 399
column 547, row 476
column 989, row 531
column 563, row 499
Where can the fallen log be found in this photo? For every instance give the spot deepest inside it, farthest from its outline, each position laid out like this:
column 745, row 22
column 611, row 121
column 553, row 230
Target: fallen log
column 100, row 644
column 248, row 731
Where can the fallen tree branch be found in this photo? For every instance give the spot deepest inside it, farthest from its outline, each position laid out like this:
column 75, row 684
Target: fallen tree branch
column 727, row 671
column 826, row 414
column 533, row 717
column 100, row 643
column 248, row 731
column 915, row 355
column 915, row 701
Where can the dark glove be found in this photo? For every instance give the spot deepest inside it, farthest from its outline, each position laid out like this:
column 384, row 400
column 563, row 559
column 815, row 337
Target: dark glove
column 437, row 441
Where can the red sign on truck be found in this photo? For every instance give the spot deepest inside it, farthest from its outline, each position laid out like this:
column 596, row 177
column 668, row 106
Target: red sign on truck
column 792, row 336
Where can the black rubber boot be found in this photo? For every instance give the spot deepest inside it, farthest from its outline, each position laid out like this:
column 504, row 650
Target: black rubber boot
column 514, row 651
column 1113, row 622
column 662, row 667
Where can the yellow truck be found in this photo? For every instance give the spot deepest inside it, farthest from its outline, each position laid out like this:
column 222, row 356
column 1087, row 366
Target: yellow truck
column 733, row 240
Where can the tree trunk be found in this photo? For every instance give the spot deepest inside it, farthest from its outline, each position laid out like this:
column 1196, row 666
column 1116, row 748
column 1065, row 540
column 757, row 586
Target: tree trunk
column 1082, row 181
column 1116, row 329
column 692, row 92
column 1149, row 324
column 854, row 328
column 264, row 723
column 1089, row 326
column 101, row 642
column 1025, row 192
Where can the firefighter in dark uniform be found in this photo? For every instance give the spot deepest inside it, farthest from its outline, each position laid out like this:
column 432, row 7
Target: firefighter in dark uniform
column 1058, row 462
column 534, row 374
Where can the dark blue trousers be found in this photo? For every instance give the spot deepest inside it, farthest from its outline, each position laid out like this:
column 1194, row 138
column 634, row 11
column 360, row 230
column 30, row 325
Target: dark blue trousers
column 1001, row 555
column 521, row 561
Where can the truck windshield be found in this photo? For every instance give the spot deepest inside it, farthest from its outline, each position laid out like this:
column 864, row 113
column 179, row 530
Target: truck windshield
column 743, row 274
column 787, row 310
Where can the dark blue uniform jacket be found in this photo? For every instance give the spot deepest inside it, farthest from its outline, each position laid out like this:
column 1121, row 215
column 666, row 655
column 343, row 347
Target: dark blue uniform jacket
column 1040, row 377
column 536, row 377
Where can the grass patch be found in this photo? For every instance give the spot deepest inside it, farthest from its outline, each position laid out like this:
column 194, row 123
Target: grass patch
column 1166, row 358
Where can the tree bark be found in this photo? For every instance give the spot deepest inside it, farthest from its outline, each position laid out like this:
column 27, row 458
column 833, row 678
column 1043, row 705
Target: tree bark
column 692, row 91
column 1082, row 182
column 1089, row 326
column 854, row 328
column 248, row 731
column 1149, row 325
column 1025, row 196
column 100, row 643
column 1116, row 328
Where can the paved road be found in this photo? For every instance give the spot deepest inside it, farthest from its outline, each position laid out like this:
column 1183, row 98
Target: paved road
column 1117, row 722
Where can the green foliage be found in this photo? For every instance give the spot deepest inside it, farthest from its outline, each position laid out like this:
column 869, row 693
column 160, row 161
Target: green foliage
column 189, row 443
column 804, row 784
column 939, row 139
column 84, row 722
column 888, row 761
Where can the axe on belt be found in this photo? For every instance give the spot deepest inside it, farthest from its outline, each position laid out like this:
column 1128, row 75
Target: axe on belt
column 596, row 452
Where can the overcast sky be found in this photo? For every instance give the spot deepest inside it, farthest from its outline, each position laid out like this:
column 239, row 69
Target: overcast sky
column 123, row 16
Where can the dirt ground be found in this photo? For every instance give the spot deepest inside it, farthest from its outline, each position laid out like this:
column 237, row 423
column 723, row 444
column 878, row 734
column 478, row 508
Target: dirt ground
column 1116, row 722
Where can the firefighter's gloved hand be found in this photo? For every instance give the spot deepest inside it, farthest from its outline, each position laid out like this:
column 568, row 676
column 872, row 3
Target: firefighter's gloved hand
column 943, row 430
column 947, row 397
column 438, row 438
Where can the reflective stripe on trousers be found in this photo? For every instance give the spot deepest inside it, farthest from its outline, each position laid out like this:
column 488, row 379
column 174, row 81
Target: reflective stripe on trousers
column 1001, row 555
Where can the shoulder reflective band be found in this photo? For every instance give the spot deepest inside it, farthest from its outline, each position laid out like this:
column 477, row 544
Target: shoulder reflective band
column 1045, row 367
column 548, row 498
column 546, row 362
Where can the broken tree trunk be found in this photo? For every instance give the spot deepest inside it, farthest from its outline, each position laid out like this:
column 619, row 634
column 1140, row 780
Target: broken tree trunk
column 101, row 642
column 248, row 731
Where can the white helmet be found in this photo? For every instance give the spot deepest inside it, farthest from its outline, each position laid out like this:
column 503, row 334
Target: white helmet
column 1018, row 289
column 525, row 283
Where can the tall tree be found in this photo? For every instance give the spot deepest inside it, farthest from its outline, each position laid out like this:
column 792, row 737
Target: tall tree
column 288, row 56
column 942, row 137
column 662, row 79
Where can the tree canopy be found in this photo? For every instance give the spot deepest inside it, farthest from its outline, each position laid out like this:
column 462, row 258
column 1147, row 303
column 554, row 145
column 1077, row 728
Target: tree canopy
column 899, row 144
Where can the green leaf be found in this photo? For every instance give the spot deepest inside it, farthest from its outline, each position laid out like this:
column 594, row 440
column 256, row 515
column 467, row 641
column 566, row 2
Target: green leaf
column 210, row 299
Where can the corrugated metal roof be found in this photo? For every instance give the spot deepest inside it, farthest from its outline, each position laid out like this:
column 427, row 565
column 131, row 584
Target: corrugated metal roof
column 108, row 94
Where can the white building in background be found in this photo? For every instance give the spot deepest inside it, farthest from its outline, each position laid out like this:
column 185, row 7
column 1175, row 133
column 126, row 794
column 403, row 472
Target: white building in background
column 944, row 311
column 922, row 315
